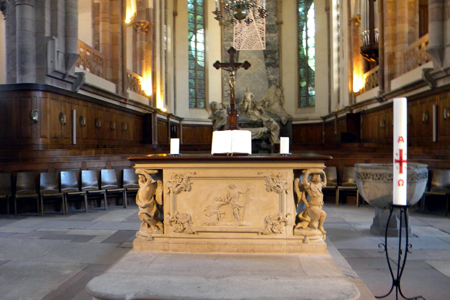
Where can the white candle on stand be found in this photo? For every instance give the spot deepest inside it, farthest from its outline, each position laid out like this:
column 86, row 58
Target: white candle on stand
column 400, row 153
column 175, row 146
column 284, row 145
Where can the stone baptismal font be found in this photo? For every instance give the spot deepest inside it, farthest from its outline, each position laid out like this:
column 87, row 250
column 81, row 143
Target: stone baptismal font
column 375, row 184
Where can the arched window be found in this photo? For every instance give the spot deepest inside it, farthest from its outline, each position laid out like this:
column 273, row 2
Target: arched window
column 306, row 53
column 196, row 34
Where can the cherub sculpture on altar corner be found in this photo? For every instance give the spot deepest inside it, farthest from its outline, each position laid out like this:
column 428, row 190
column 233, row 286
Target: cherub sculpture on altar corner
column 148, row 197
column 310, row 220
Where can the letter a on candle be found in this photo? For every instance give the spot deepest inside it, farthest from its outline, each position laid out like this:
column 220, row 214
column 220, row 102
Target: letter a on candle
column 400, row 147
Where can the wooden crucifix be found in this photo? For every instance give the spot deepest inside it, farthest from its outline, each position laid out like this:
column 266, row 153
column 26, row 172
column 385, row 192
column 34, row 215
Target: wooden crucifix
column 232, row 67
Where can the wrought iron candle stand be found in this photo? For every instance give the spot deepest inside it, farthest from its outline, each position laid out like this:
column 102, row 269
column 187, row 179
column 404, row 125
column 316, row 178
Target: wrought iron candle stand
column 401, row 261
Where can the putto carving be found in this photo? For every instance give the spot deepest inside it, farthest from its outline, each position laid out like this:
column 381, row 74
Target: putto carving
column 179, row 183
column 181, row 223
column 313, row 217
column 276, row 183
column 236, row 204
column 274, row 224
column 148, row 197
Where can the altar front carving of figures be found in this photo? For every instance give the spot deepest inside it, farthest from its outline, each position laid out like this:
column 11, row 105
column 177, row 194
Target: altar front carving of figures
column 311, row 219
column 233, row 203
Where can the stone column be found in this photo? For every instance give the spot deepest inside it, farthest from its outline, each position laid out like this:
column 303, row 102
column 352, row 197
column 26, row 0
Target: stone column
column 25, row 41
column 71, row 33
column 105, row 36
column 389, row 42
column 436, row 13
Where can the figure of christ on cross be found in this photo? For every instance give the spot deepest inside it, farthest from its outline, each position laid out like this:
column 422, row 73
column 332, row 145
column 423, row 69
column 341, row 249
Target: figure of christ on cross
column 232, row 67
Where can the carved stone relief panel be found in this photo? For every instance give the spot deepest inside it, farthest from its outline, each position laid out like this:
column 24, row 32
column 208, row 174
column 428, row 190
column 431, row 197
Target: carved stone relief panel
column 229, row 202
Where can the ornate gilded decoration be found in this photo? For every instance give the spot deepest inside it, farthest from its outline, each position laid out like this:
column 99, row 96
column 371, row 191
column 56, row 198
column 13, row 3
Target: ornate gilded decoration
column 181, row 223
column 142, row 26
column 179, row 183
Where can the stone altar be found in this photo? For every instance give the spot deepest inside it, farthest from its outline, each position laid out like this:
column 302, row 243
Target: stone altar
column 222, row 204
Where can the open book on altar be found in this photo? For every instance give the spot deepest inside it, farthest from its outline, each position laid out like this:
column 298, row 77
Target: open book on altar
column 232, row 141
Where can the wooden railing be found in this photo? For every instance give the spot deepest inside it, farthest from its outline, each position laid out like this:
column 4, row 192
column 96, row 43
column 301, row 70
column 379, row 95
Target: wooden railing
column 415, row 55
column 371, row 79
column 90, row 60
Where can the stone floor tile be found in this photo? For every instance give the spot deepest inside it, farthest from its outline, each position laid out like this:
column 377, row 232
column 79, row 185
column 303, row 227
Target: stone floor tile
column 33, row 280
column 121, row 236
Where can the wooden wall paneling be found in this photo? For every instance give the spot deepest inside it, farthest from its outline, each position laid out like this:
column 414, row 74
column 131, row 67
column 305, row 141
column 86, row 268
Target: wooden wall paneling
column 101, row 125
column 25, row 123
column 414, row 122
column 197, row 134
column 6, row 119
column 162, row 132
column 66, row 123
column 52, row 120
column 307, row 133
column 329, row 131
column 137, row 130
column 443, row 117
column 43, row 125
column 426, row 112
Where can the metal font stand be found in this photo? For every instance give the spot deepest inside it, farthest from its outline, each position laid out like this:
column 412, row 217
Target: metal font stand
column 401, row 261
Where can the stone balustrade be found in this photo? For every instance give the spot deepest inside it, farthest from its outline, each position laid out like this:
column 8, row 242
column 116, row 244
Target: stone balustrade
column 371, row 79
column 134, row 83
column 415, row 55
column 90, row 60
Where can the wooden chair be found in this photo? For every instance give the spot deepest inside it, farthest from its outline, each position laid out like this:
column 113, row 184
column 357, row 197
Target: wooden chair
column 439, row 187
column 49, row 188
column 130, row 181
column 25, row 189
column 332, row 181
column 71, row 189
column 5, row 188
column 90, row 184
column 109, row 183
column 348, row 184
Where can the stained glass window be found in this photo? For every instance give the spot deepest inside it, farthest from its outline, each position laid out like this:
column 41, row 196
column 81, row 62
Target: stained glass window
column 306, row 53
column 196, row 36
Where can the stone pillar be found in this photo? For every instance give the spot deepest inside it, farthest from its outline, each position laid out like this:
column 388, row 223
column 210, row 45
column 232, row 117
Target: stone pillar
column 436, row 13
column 402, row 34
column 141, row 28
column 105, row 36
column 25, row 41
column 389, row 42
column 71, row 34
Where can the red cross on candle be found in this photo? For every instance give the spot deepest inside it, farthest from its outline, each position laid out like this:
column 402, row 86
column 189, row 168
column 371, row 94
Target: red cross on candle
column 400, row 161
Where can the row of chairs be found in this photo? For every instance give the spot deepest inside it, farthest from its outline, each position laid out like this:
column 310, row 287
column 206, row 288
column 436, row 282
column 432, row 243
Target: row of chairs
column 345, row 187
column 64, row 186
